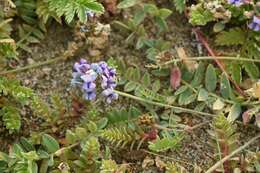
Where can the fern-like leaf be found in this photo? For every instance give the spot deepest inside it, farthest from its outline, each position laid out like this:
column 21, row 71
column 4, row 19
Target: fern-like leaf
column 108, row 166
column 122, row 116
column 13, row 88
column 225, row 137
column 11, row 118
column 26, row 10
column 235, row 36
column 88, row 156
column 166, row 143
column 71, row 8
column 200, row 16
column 45, row 13
column 41, row 108
column 119, row 136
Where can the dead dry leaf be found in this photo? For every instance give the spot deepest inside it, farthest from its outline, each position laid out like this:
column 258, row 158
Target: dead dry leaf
column 191, row 65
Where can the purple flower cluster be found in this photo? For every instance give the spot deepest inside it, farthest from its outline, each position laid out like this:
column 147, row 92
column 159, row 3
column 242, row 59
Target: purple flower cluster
column 85, row 75
column 255, row 24
column 236, row 2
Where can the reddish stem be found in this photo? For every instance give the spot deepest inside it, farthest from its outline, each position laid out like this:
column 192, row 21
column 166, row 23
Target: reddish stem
column 218, row 62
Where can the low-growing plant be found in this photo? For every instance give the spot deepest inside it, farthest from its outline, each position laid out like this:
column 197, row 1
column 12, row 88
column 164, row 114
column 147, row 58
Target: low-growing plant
column 35, row 15
column 236, row 24
column 137, row 26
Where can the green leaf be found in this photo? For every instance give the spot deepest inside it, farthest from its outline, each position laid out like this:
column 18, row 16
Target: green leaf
column 127, row 3
column 152, row 9
column 200, row 16
column 130, row 86
column 187, row 97
column 200, row 107
column 156, row 86
column 102, row 123
column 136, row 74
column 203, row 95
column 50, row 143
column 235, row 36
column 252, row 70
column 199, row 75
column 139, row 17
column 4, row 157
column 218, row 105
column 17, row 150
column 161, row 23
column 180, row 5
column 82, row 15
column 225, row 88
column 234, row 112
column 11, row 117
column 181, row 90
column 236, row 73
column 164, row 13
column 81, row 132
column 219, row 26
column 140, row 42
column 32, row 155
column 71, row 137
column 146, row 80
column 32, row 167
column 164, row 144
column 92, row 126
column 211, row 78
column 95, row 6
column 26, row 144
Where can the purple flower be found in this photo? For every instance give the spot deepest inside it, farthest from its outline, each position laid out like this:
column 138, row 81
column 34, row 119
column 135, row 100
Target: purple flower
column 89, row 89
column 97, row 68
column 76, row 78
column 103, row 65
column 110, row 72
column 108, row 82
column 85, row 75
column 88, row 86
column 255, row 24
column 90, row 95
column 82, row 66
column 89, row 76
column 110, row 95
column 236, row 2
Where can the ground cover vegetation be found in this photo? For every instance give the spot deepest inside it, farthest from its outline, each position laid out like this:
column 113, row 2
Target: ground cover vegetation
column 131, row 95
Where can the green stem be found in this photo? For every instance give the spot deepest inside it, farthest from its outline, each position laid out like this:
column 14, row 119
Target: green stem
column 219, row 163
column 31, row 66
column 246, row 103
column 18, row 44
column 211, row 94
column 169, row 158
column 211, row 58
column 164, row 105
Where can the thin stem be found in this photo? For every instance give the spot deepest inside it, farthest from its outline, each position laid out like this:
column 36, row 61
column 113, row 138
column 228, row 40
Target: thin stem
column 246, row 103
column 190, row 86
column 170, row 158
column 214, row 167
column 164, row 105
column 32, row 66
column 62, row 150
column 211, row 94
column 18, row 44
column 5, row 22
column 211, row 58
